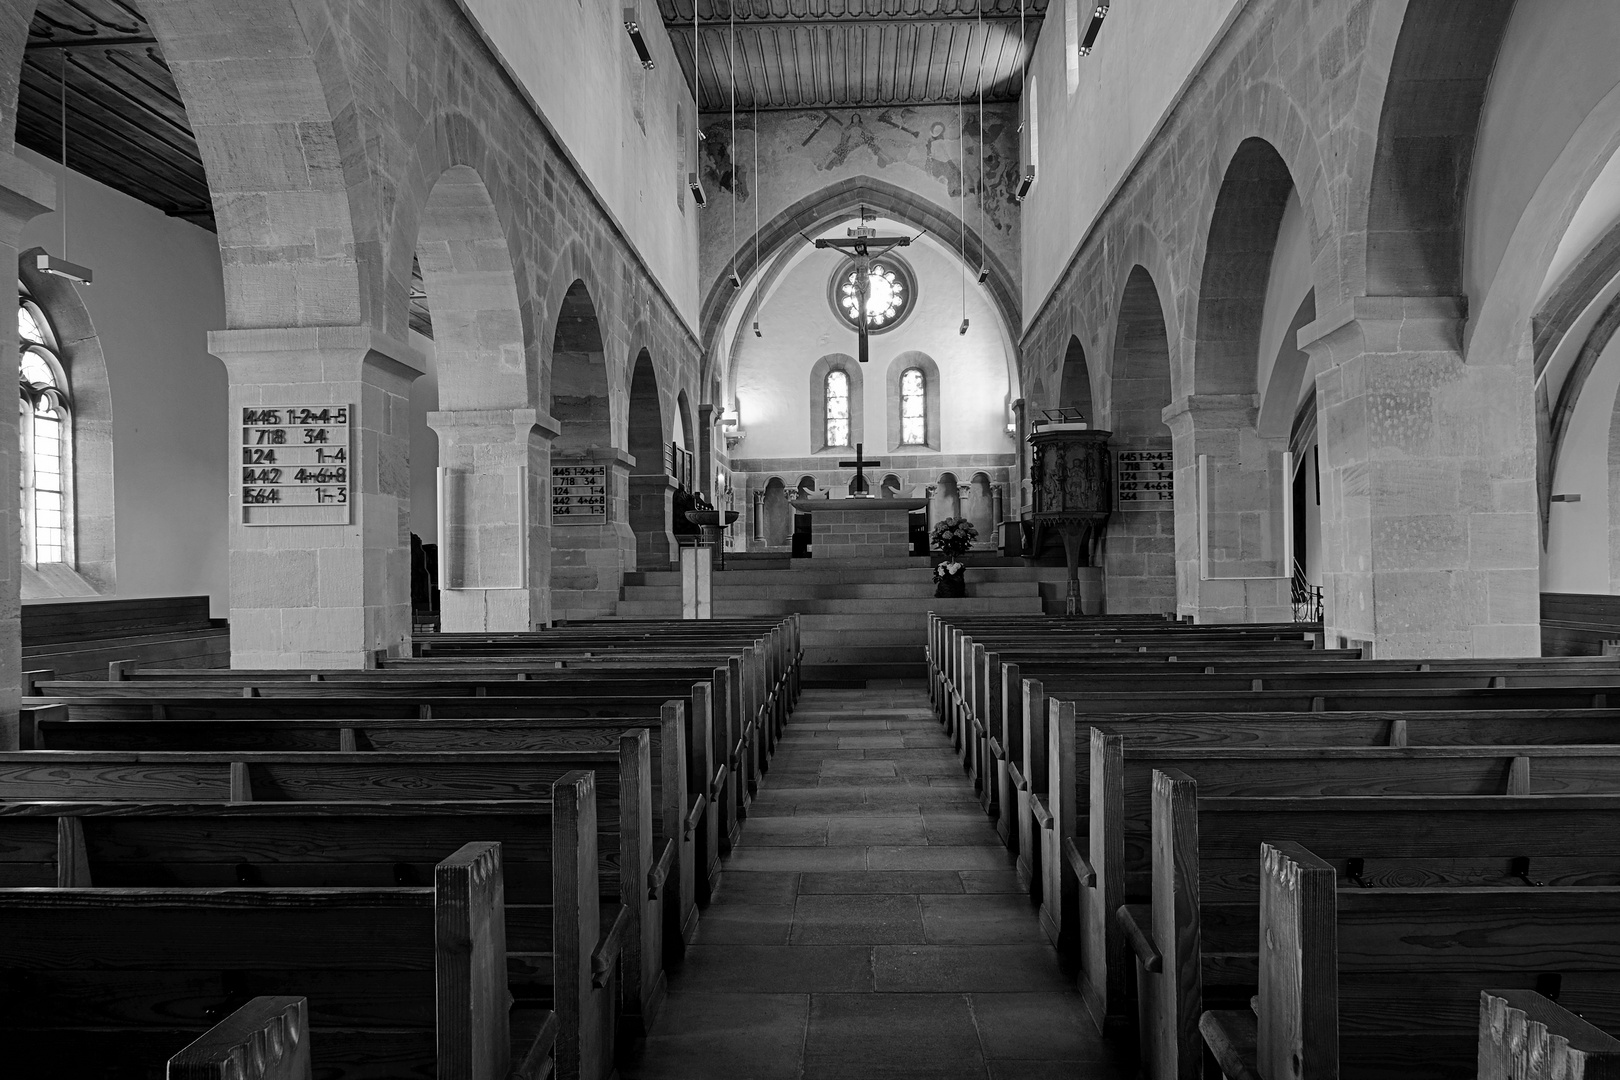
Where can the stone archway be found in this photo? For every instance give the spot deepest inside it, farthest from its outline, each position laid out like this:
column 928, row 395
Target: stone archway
column 490, row 460
column 1074, row 382
column 589, row 552
column 1232, row 485
column 1139, row 549
column 652, row 487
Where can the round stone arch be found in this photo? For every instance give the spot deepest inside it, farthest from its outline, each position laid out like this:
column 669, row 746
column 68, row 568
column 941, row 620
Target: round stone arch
column 457, row 205
column 1074, row 381
column 1402, row 232
column 1262, row 116
column 651, row 493
column 299, row 264
column 78, row 347
column 574, row 266
column 1141, row 250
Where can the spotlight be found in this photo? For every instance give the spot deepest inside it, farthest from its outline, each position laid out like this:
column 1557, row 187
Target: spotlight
column 696, row 185
column 632, row 23
column 984, row 274
column 963, row 328
column 736, row 282
column 50, row 264
column 1024, row 184
column 757, row 331
column 1093, row 29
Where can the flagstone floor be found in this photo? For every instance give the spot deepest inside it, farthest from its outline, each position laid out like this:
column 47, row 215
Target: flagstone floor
column 870, row 925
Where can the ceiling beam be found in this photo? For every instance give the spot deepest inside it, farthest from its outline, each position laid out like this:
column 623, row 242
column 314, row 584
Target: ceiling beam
column 713, row 25
column 91, row 43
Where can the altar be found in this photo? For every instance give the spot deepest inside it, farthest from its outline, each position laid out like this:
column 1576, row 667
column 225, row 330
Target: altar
column 859, row 528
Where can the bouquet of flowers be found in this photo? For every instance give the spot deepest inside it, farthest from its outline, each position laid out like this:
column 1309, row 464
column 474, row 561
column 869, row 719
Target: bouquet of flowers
column 954, row 536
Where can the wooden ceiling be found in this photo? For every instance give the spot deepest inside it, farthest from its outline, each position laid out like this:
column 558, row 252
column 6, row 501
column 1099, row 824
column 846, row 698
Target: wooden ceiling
column 126, row 125
column 807, row 54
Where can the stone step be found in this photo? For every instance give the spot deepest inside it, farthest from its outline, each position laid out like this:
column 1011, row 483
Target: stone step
column 914, row 608
column 848, row 590
column 886, row 573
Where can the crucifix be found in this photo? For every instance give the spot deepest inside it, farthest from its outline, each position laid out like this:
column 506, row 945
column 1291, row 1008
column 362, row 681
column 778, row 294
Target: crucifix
column 866, row 245
column 859, row 465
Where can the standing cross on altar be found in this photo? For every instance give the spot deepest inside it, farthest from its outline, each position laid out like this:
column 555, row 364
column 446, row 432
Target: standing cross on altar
column 859, row 465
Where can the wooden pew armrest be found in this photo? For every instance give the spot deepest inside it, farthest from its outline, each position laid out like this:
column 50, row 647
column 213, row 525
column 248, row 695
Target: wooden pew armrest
column 1133, row 920
column 720, row 775
column 608, row 949
column 534, row 1057
column 661, row 868
column 1016, row 775
column 699, row 803
column 1230, row 1035
column 995, row 750
column 1043, row 816
column 1082, row 868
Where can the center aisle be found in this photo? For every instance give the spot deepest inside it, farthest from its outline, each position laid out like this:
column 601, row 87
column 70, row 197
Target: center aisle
column 870, row 924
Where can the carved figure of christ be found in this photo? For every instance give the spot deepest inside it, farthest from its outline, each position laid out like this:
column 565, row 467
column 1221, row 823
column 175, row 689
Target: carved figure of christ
column 865, row 246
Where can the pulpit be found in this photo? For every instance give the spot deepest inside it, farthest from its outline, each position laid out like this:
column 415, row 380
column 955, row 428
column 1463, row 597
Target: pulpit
column 1072, row 487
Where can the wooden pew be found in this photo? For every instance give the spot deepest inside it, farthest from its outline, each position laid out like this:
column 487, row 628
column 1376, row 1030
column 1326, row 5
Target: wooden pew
column 403, row 981
column 1108, row 865
column 696, row 822
column 1525, row 1036
column 1398, row 971
column 1195, row 944
column 358, row 844
column 266, row 1039
column 646, row 865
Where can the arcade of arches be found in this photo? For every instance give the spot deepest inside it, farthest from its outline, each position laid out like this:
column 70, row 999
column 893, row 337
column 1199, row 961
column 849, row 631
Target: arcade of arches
column 1350, row 267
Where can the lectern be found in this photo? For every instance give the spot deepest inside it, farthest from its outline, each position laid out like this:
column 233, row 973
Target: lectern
column 1073, row 491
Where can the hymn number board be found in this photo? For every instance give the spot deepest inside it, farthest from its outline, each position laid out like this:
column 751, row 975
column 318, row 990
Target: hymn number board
column 295, row 464
column 1146, row 479
column 579, row 494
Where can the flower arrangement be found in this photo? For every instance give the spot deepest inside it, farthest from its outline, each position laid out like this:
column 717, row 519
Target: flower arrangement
column 953, row 536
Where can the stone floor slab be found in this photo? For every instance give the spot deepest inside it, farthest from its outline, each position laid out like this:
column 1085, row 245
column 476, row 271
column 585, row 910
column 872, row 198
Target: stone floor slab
column 874, row 881
column 700, row 1036
column 892, row 1037
column 857, row 919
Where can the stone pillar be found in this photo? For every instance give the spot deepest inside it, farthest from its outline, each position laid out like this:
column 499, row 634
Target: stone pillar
column 651, row 510
column 495, row 524
column 25, row 193
column 1243, row 554
column 588, row 562
column 325, row 595
column 1429, row 520
column 708, row 430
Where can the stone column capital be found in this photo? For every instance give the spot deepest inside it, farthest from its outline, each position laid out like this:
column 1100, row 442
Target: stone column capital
column 602, row 455
column 1385, row 324
column 26, row 192
column 313, row 354
column 655, row 481
column 494, row 425
column 1211, row 410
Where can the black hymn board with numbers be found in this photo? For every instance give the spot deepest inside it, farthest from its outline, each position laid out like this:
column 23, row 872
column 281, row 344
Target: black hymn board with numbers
column 295, row 462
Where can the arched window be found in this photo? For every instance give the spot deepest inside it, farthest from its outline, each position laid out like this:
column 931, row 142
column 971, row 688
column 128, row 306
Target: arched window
column 46, row 442
column 837, row 407
column 913, row 408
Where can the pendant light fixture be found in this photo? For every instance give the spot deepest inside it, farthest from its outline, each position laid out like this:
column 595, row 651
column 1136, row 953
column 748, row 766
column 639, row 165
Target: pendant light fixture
column 753, row 92
column 731, row 150
column 59, row 266
column 694, row 178
column 1027, row 180
column 961, row 200
column 984, row 267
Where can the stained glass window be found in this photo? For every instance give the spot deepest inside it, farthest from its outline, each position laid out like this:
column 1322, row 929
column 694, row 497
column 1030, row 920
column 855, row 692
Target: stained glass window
column 44, row 436
column 913, row 408
column 837, row 408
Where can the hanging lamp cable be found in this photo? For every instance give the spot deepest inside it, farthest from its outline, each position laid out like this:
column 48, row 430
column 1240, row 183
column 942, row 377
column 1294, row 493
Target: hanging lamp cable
column 731, row 151
column 63, row 209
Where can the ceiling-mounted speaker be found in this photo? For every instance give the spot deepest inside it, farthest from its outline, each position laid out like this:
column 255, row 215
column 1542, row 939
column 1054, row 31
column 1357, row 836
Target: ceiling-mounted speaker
column 699, row 196
column 632, row 24
column 50, row 264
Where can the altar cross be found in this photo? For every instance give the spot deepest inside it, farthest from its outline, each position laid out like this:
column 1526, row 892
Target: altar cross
column 859, row 465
